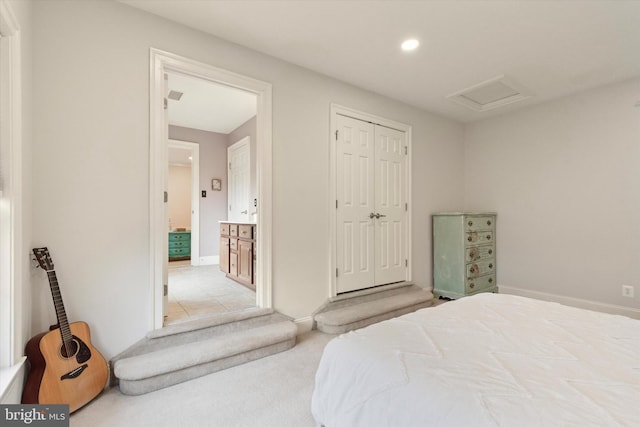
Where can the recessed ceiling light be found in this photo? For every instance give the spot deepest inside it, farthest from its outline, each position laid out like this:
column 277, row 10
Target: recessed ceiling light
column 409, row 45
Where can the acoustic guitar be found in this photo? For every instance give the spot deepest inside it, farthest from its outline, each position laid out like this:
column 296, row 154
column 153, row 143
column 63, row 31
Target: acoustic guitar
column 65, row 367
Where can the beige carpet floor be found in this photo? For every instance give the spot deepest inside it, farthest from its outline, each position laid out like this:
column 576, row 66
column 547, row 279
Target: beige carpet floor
column 271, row 392
column 202, row 291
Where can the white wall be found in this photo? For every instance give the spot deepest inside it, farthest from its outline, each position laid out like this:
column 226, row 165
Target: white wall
column 564, row 178
column 91, row 202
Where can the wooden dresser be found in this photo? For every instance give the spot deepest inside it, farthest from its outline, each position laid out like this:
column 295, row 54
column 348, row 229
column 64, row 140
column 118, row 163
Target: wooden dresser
column 464, row 254
column 179, row 245
column 238, row 252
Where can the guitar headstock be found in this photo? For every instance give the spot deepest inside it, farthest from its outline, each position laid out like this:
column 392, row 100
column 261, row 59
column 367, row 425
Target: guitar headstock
column 43, row 258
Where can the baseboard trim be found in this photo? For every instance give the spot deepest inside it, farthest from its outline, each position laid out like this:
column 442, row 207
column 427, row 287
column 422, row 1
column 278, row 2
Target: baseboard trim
column 573, row 302
column 304, row 324
column 210, row 260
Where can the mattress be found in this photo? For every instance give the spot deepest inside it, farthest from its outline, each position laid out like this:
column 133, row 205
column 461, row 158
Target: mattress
column 484, row 360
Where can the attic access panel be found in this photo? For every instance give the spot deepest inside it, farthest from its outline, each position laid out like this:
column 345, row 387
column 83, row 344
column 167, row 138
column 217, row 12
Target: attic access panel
column 490, row 94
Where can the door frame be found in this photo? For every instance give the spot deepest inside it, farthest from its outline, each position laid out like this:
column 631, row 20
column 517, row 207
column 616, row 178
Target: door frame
column 336, row 110
column 160, row 63
column 241, row 143
column 194, row 150
column 12, row 250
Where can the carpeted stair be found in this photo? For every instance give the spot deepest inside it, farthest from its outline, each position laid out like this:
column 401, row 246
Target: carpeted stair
column 188, row 350
column 359, row 309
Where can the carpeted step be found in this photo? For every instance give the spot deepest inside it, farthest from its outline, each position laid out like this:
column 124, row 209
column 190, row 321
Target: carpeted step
column 148, row 366
column 364, row 311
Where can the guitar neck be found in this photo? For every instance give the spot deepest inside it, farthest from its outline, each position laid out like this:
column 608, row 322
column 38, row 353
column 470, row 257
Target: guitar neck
column 61, row 315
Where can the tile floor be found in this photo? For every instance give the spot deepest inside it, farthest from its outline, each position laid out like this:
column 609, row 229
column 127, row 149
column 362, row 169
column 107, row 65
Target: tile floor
column 201, row 291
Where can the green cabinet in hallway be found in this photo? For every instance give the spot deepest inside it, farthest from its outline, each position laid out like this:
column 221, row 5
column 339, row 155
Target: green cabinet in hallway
column 179, row 245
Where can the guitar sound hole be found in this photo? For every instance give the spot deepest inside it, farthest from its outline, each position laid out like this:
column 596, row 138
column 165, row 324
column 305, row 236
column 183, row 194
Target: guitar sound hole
column 69, row 349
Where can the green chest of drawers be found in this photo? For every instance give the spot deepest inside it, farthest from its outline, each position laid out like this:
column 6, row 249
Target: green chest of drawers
column 179, row 245
column 464, row 254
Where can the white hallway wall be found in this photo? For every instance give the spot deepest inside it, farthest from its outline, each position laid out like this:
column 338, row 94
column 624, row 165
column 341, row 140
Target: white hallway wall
column 91, row 164
column 564, row 179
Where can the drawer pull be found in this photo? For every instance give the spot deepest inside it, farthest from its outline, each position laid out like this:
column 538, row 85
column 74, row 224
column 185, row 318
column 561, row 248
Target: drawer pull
column 490, row 279
column 470, row 223
column 488, row 236
column 469, row 238
column 489, row 222
column 490, row 251
column 471, row 285
column 473, row 268
column 490, row 265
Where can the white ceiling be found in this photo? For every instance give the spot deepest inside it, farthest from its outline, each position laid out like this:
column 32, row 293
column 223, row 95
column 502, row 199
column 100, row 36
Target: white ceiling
column 209, row 106
column 551, row 48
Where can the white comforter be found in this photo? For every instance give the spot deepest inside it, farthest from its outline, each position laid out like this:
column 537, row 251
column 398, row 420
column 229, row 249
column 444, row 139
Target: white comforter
column 485, row 360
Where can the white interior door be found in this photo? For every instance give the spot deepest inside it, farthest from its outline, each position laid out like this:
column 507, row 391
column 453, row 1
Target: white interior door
column 390, row 257
column 370, row 211
column 238, row 160
column 355, row 203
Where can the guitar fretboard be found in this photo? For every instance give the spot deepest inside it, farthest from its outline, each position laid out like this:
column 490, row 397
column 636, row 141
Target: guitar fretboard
column 61, row 315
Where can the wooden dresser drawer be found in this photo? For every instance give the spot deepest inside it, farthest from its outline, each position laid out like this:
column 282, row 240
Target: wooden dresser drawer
column 480, row 283
column 179, row 236
column 245, row 231
column 179, row 244
column 476, row 253
column 224, row 229
column 233, row 230
column 179, row 252
column 233, row 244
column 478, row 269
column 477, row 223
column 479, row 237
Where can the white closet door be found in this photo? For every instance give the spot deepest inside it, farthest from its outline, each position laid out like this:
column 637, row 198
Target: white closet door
column 355, row 240
column 370, row 213
column 238, row 157
column 390, row 184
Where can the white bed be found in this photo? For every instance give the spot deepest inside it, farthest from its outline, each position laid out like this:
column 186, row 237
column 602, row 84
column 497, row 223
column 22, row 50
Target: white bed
column 485, row 360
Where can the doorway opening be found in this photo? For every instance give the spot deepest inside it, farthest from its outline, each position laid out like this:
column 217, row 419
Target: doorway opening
column 185, row 241
column 205, row 119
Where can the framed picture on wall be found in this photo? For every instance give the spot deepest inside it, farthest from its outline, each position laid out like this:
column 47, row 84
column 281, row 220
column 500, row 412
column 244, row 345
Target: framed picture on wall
column 216, row 184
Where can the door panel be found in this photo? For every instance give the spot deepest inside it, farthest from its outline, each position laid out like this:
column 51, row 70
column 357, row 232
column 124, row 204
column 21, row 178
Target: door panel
column 354, row 168
column 245, row 261
column 238, row 157
column 370, row 168
column 224, row 254
column 390, row 204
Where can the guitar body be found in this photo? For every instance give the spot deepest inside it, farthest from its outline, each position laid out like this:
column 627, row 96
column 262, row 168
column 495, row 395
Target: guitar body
column 72, row 374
